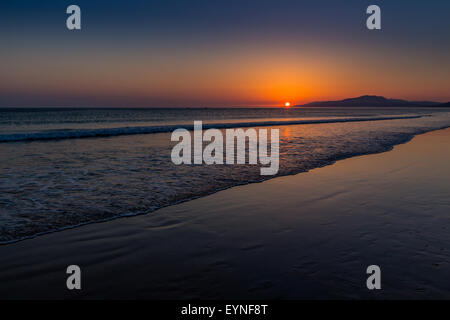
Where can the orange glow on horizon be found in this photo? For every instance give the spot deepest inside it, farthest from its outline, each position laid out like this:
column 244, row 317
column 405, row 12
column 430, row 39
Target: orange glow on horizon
column 244, row 76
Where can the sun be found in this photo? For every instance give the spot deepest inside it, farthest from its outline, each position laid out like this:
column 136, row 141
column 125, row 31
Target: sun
column 287, row 104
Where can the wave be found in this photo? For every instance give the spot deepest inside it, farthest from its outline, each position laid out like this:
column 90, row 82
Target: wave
column 107, row 132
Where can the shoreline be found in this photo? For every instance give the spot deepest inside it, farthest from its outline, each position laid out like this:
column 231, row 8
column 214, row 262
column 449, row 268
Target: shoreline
column 292, row 237
column 131, row 215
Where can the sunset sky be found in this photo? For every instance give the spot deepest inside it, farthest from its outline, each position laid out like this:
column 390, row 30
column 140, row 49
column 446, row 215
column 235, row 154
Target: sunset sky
column 213, row 53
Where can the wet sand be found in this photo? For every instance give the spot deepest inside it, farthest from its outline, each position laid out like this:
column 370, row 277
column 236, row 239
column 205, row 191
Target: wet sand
column 308, row 236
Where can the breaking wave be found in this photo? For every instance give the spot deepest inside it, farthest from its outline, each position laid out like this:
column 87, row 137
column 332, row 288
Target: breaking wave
column 107, row 132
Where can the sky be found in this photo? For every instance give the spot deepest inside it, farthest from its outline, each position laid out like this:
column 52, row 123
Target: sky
column 214, row 53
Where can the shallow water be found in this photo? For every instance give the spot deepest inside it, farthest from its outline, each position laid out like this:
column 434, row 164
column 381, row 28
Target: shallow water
column 308, row 236
column 47, row 185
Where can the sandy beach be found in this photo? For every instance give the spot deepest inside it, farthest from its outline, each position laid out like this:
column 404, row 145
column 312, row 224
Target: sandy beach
column 307, row 236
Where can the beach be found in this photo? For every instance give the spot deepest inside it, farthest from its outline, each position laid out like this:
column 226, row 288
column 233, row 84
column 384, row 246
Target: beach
column 305, row 236
column 79, row 166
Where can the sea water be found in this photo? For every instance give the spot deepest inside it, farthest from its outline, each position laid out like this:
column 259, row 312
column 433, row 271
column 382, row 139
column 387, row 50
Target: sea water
column 61, row 168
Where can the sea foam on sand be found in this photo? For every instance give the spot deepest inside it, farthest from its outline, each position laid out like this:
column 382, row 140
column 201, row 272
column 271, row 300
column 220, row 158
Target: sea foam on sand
column 311, row 235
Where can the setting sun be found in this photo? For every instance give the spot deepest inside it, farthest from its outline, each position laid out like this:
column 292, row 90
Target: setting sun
column 287, row 104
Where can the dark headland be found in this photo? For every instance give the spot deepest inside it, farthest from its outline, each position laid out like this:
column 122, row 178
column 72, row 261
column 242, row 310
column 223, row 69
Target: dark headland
column 374, row 101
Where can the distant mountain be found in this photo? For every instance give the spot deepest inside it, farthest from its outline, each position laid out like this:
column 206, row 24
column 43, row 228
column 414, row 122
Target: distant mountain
column 447, row 105
column 369, row 101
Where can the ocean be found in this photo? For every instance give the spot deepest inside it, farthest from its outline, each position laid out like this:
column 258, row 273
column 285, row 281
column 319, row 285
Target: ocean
column 65, row 167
